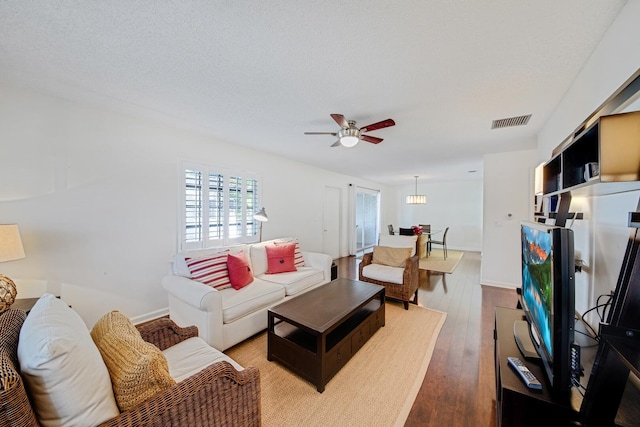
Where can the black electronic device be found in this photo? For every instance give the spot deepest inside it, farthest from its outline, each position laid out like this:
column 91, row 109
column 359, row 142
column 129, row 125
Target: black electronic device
column 576, row 367
column 548, row 300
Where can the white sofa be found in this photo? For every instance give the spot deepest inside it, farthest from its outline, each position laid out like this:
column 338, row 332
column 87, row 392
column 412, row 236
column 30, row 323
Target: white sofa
column 229, row 316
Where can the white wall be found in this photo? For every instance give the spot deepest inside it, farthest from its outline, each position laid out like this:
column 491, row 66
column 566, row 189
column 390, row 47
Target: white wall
column 95, row 194
column 601, row 238
column 457, row 205
column 508, row 200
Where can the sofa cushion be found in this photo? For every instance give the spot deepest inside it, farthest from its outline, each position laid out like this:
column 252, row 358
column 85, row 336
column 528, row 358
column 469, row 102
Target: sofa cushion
column 258, row 295
column 62, row 368
column 296, row 281
column 210, row 270
column 240, row 273
column 393, row 257
column 280, row 258
column 383, row 273
column 138, row 369
column 192, row 355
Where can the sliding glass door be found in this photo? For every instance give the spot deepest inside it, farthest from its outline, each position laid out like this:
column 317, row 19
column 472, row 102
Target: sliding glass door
column 366, row 215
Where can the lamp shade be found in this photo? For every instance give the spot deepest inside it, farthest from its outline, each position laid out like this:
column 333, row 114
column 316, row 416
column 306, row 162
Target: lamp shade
column 416, row 199
column 261, row 215
column 10, row 243
column 349, row 141
column 10, row 249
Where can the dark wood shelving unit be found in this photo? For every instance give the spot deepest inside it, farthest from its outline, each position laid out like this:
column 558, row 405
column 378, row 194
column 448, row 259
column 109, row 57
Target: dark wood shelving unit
column 601, row 157
column 611, row 145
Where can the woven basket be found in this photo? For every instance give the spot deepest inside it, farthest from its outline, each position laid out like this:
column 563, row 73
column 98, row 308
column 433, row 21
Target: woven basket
column 8, row 293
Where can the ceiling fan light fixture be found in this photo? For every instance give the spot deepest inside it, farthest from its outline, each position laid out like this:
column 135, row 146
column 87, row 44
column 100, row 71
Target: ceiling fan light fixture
column 349, row 137
column 416, row 199
column 349, row 141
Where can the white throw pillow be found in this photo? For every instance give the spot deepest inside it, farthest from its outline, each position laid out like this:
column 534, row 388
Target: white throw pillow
column 62, row 368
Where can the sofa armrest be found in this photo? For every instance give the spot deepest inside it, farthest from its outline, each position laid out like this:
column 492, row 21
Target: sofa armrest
column 164, row 332
column 196, row 294
column 320, row 261
column 219, row 395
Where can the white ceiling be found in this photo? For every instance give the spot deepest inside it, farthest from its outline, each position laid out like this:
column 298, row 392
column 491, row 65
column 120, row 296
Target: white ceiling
column 261, row 73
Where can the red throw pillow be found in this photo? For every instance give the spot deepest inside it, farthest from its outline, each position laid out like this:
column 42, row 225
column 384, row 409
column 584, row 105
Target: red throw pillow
column 299, row 259
column 239, row 270
column 280, row 258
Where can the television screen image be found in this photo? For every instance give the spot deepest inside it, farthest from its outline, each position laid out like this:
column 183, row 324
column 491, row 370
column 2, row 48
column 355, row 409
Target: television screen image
column 548, row 299
column 537, row 290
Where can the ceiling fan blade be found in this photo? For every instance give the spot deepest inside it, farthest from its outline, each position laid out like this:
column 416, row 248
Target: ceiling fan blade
column 336, row 144
column 321, row 133
column 339, row 118
column 371, row 139
column 379, row 125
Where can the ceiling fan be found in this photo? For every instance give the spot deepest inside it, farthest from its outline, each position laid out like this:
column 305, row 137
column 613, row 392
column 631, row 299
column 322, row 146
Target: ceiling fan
column 349, row 135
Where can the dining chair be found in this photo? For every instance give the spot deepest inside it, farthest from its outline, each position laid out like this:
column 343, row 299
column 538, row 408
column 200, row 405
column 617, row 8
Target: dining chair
column 442, row 242
column 406, row 231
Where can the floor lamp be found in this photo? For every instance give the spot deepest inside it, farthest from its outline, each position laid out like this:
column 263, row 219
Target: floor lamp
column 10, row 249
column 261, row 216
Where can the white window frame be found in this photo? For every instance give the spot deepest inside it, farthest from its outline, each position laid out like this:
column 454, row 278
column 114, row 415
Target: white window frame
column 248, row 228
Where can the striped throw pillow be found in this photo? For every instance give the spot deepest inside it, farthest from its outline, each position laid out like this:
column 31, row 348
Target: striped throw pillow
column 210, row 270
column 298, row 259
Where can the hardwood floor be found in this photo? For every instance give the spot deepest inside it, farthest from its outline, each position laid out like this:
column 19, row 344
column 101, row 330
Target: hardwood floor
column 459, row 387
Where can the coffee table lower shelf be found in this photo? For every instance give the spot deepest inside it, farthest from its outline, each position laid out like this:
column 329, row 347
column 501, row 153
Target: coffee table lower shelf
column 317, row 356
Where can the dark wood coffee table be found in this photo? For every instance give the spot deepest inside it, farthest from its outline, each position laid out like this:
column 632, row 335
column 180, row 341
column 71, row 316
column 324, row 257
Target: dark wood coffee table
column 316, row 333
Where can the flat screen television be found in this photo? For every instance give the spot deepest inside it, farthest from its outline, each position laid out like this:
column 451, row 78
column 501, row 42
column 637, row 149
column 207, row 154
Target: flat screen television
column 548, row 299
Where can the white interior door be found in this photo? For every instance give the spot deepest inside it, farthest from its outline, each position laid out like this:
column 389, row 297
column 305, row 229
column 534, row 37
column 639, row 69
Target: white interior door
column 331, row 222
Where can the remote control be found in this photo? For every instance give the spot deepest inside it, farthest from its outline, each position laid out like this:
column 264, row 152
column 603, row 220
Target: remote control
column 529, row 379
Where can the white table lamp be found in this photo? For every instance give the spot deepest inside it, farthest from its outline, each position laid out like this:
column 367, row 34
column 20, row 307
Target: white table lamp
column 10, row 249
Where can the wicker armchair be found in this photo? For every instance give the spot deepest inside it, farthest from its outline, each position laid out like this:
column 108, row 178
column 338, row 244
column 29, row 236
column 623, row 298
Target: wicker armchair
column 407, row 291
column 219, row 395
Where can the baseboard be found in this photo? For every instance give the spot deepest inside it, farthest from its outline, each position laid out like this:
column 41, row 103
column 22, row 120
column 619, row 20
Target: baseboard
column 499, row 285
column 150, row 316
column 459, row 249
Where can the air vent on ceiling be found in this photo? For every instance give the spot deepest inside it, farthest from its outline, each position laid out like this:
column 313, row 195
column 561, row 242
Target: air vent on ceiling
column 511, row 121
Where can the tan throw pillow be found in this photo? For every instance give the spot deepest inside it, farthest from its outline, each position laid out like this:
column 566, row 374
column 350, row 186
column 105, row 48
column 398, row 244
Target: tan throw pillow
column 138, row 369
column 394, row 257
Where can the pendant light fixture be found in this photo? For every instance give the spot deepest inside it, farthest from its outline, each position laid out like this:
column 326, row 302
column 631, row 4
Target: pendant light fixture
column 416, row 199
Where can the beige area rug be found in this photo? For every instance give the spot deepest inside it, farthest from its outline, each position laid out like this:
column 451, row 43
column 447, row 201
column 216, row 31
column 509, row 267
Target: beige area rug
column 376, row 387
column 436, row 262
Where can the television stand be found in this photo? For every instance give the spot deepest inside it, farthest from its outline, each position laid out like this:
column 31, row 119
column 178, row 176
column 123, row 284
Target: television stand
column 517, row 405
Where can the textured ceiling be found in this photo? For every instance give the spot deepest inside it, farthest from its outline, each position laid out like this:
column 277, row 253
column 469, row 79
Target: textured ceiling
column 261, row 73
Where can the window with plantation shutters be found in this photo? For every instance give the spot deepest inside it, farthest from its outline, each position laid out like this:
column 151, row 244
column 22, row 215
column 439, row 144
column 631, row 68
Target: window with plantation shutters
column 217, row 206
